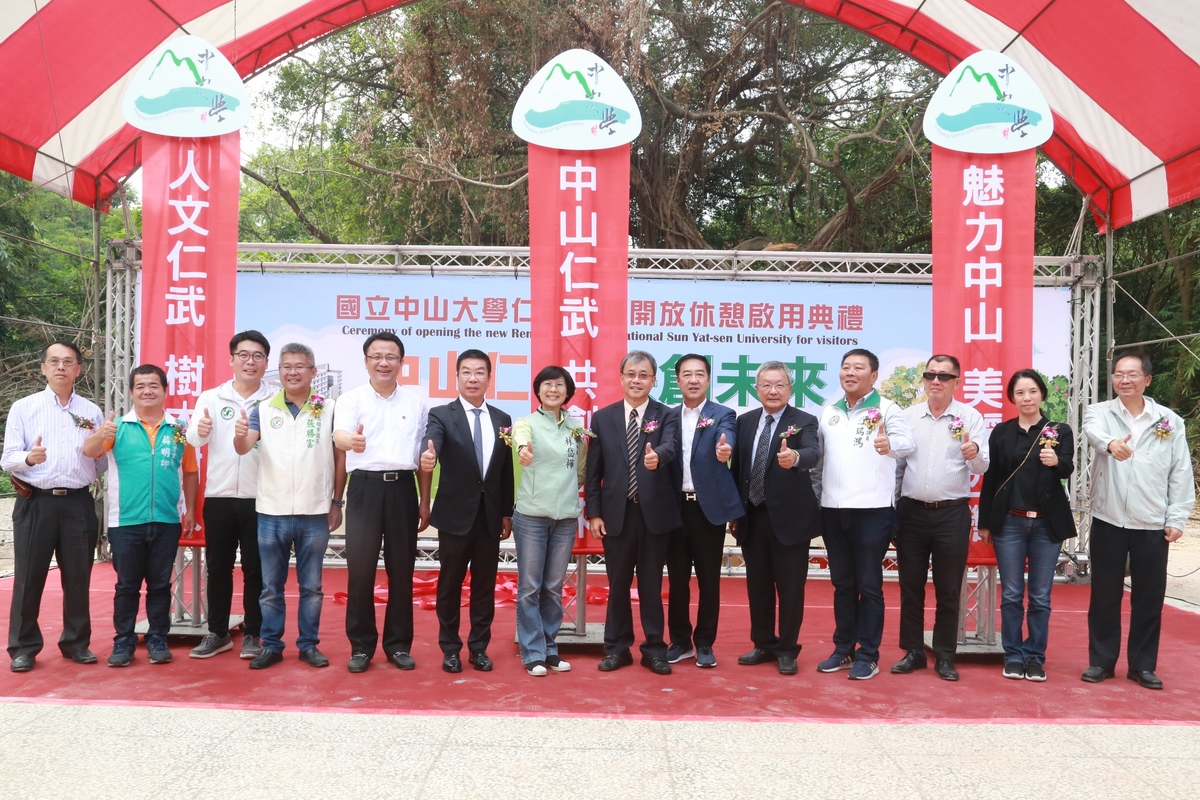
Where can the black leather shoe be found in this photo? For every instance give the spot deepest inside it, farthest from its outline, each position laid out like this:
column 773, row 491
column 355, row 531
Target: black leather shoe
column 481, row 661
column 756, row 656
column 314, row 658
column 261, row 661
column 913, row 660
column 1144, row 678
column 451, row 663
column 22, row 664
column 787, row 665
column 945, row 670
column 359, row 662
column 81, row 655
column 659, row 666
column 1096, row 674
column 403, row 660
column 615, row 661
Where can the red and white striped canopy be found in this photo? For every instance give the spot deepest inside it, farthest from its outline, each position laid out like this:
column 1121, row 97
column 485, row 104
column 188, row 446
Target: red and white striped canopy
column 1122, row 77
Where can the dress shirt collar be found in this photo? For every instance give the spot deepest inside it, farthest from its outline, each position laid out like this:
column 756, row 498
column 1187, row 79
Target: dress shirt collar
column 53, row 397
column 467, row 407
column 951, row 410
column 1146, row 410
column 641, row 410
column 871, row 400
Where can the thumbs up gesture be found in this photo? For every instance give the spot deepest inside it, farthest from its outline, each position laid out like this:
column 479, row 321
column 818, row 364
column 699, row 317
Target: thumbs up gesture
column 108, row 431
column 358, row 442
column 428, row 458
column 968, row 448
column 1120, row 449
column 651, row 458
column 883, row 445
column 1048, row 456
column 787, row 457
column 37, row 453
column 724, row 450
column 241, row 428
column 204, row 424
column 526, row 454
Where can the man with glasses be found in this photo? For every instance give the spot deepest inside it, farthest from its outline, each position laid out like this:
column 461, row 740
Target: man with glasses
column 229, row 520
column 474, row 506
column 777, row 446
column 54, row 514
column 863, row 435
column 300, row 480
column 381, row 427
column 632, row 507
column 934, row 516
column 1142, row 497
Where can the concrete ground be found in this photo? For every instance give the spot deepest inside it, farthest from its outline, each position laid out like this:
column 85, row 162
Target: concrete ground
column 50, row 748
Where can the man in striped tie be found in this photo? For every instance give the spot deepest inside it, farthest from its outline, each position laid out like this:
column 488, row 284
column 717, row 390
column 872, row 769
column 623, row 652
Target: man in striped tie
column 632, row 506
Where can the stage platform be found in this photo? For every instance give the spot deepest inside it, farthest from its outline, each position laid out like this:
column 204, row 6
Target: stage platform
column 729, row 692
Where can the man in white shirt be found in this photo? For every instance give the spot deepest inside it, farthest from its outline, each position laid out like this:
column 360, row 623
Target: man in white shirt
column 381, row 427
column 230, row 521
column 934, row 516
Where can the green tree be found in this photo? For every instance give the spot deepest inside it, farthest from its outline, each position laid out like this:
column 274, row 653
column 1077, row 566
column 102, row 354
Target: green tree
column 904, row 385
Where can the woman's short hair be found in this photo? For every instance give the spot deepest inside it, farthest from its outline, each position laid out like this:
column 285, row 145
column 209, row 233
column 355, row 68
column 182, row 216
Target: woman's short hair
column 1033, row 375
column 554, row 373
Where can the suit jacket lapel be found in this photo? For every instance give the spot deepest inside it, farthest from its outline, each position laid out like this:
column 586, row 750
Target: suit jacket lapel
column 465, row 435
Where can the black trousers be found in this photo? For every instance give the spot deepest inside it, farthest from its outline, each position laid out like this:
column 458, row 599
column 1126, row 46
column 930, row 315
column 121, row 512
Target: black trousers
column 698, row 543
column 380, row 513
column 940, row 536
column 1147, row 552
column 231, row 523
column 477, row 550
column 774, row 570
column 65, row 528
column 635, row 551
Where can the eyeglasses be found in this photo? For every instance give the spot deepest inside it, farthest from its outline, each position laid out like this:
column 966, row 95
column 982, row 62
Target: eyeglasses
column 772, row 387
column 390, row 358
column 251, row 355
column 1131, row 376
column 294, row 367
column 944, row 377
column 61, row 362
column 633, row 376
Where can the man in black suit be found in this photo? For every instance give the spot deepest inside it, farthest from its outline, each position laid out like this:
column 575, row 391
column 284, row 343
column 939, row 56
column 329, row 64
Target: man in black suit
column 473, row 508
column 777, row 445
column 708, row 500
column 633, row 507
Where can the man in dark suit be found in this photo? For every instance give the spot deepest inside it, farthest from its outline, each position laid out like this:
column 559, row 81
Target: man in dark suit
column 473, row 508
column 708, row 501
column 632, row 506
column 777, row 446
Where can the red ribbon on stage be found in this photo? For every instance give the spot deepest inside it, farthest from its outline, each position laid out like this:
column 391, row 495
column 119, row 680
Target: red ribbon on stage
column 983, row 228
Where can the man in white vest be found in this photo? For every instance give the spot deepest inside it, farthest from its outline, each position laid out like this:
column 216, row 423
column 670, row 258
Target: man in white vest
column 863, row 435
column 299, row 469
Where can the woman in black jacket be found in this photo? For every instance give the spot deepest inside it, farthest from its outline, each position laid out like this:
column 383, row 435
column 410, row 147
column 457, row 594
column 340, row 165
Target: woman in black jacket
column 1024, row 512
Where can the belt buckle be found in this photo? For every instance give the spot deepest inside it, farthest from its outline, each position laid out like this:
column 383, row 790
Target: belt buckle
column 390, row 477
column 1031, row 515
column 59, row 492
column 689, row 497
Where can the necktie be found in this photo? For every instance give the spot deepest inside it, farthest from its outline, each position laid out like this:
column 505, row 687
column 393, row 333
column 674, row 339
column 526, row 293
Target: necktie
column 478, row 439
column 631, row 444
column 759, row 471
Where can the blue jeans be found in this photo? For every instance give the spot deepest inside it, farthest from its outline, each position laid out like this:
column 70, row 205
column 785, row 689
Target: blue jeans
column 309, row 534
column 543, row 552
column 1020, row 539
column 143, row 552
column 856, row 540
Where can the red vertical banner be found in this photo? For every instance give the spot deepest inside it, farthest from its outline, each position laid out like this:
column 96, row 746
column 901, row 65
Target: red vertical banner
column 983, row 215
column 189, row 261
column 579, row 268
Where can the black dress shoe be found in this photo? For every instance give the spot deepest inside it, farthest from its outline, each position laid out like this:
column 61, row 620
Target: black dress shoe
column 787, row 665
column 451, row 663
column 314, row 658
column 22, row 664
column 756, row 656
column 1144, row 678
column 945, row 670
column 615, row 661
column 1096, row 674
column 913, row 660
column 403, row 660
column 81, row 655
column 359, row 662
column 481, row 661
column 659, row 666
column 261, row 661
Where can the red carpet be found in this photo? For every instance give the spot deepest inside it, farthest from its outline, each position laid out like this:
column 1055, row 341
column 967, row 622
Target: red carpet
column 727, row 692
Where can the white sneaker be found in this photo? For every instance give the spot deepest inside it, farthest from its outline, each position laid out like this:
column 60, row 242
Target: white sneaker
column 557, row 664
column 537, row 669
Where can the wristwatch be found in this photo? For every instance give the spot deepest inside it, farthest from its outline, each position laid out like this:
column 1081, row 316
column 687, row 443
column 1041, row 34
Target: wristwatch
column 339, row 503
